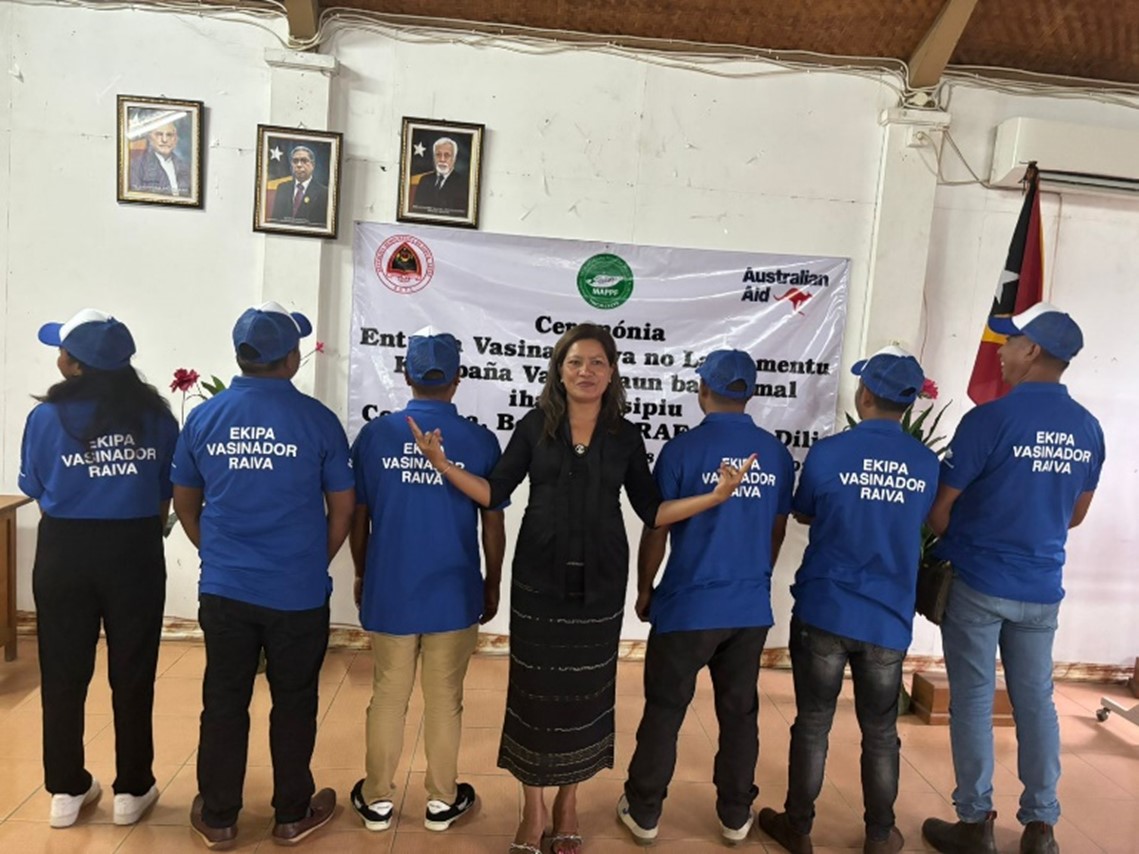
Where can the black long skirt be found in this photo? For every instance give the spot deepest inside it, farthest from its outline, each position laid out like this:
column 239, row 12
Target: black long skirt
column 560, row 697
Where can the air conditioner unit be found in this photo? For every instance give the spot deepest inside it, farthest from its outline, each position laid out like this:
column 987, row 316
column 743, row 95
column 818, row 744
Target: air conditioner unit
column 1071, row 158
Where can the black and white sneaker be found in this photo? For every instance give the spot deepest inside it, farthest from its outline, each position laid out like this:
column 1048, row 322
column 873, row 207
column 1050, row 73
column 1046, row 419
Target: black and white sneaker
column 377, row 815
column 441, row 815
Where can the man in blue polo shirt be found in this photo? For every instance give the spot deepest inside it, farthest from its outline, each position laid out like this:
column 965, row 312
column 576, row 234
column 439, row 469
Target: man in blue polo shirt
column 419, row 588
column 1019, row 473
column 712, row 607
column 271, row 466
column 865, row 493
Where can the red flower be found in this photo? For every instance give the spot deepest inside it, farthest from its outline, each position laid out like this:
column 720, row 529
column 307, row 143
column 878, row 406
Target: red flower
column 319, row 347
column 184, row 380
column 928, row 390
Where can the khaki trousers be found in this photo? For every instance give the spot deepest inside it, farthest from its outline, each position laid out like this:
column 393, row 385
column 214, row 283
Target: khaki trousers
column 394, row 658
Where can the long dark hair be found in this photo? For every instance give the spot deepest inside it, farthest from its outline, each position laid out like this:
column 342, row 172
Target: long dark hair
column 122, row 402
column 552, row 401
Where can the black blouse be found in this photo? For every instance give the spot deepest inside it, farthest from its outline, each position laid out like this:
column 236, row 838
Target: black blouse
column 545, row 543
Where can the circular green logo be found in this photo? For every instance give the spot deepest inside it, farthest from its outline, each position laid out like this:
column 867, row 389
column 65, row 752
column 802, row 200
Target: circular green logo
column 605, row 281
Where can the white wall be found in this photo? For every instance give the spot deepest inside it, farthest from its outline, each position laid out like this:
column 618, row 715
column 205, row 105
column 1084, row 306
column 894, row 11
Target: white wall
column 579, row 145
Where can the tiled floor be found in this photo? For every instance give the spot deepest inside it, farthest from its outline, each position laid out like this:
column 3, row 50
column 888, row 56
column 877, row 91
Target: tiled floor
column 1099, row 790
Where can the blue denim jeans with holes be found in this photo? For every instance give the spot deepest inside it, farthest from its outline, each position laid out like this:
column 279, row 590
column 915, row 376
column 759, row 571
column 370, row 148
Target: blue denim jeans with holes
column 975, row 626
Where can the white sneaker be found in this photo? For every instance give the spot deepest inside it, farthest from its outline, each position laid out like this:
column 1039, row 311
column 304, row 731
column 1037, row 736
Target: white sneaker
column 65, row 808
column 641, row 835
column 130, row 808
column 739, row 834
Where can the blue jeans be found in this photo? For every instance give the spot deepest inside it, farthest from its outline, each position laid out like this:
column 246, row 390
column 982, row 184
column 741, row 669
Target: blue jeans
column 818, row 659
column 974, row 626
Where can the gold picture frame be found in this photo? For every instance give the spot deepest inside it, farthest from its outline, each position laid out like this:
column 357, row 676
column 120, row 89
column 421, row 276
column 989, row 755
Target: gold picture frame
column 160, row 151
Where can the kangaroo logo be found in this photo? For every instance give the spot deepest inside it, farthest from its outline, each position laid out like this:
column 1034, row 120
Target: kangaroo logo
column 796, row 297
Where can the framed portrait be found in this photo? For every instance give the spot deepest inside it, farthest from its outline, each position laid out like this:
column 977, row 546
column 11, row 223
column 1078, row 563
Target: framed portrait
column 298, row 181
column 439, row 169
column 160, row 151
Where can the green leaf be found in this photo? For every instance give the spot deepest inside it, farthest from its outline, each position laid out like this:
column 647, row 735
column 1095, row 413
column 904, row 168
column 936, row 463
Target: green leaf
column 937, row 420
column 915, row 426
column 215, row 386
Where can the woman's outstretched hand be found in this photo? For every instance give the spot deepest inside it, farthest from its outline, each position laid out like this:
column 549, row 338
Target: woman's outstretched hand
column 730, row 477
column 430, row 444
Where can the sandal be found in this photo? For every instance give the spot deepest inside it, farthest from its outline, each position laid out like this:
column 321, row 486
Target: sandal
column 566, row 843
column 527, row 848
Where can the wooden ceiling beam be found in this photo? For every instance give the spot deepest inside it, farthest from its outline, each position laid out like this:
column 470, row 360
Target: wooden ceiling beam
column 928, row 62
column 304, row 18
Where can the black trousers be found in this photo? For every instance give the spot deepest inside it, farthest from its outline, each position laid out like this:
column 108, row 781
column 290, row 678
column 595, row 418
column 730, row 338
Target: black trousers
column 672, row 662
column 818, row 659
column 89, row 572
column 294, row 644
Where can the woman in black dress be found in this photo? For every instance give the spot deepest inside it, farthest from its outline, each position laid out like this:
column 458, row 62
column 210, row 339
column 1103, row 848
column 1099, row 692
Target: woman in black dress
column 570, row 572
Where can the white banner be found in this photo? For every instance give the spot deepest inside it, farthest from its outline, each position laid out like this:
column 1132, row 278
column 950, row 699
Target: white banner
column 508, row 300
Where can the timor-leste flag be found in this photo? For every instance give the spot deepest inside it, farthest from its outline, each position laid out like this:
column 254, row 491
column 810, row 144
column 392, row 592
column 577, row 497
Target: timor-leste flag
column 1021, row 285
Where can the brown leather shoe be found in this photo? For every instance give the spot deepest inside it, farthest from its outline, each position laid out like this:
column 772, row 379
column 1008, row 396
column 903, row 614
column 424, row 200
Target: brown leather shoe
column 892, row 844
column 778, row 827
column 961, row 838
column 320, row 810
column 1038, row 838
column 216, row 838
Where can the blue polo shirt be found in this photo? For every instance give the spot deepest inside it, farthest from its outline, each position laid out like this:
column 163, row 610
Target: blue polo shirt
column 1021, row 462
column 265, row 455
column 718, row 574
column 114, row 476
column 867, row 490
column 422, row 570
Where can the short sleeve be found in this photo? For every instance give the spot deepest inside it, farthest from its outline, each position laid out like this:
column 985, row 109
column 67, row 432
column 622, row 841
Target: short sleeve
column 805, row 500
column 31, row 483
column 968, row 452
column 355, row 453
column 668, row 473
column 184, row 468
column 1100, row 454
column 336, row 467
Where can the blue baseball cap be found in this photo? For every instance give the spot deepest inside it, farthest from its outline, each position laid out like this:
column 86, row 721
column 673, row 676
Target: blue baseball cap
column 891, row 373
column 92, row 337
column 721, row 368
column 271, row 331
column 1046, row 325
column 430, row 351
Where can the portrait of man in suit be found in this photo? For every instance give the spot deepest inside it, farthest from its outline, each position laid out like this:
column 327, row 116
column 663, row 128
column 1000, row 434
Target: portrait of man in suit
column 446, row 190
column 159, row 151
column 159, row 168
column 440, row 166
column 301, row 199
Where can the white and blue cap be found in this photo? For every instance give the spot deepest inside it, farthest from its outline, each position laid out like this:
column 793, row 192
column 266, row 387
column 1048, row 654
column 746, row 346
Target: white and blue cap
column 269, row 332
column 93, row 338
column 722, row 369
column 892, row 374
column 432, row 357
column 1046, row 325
